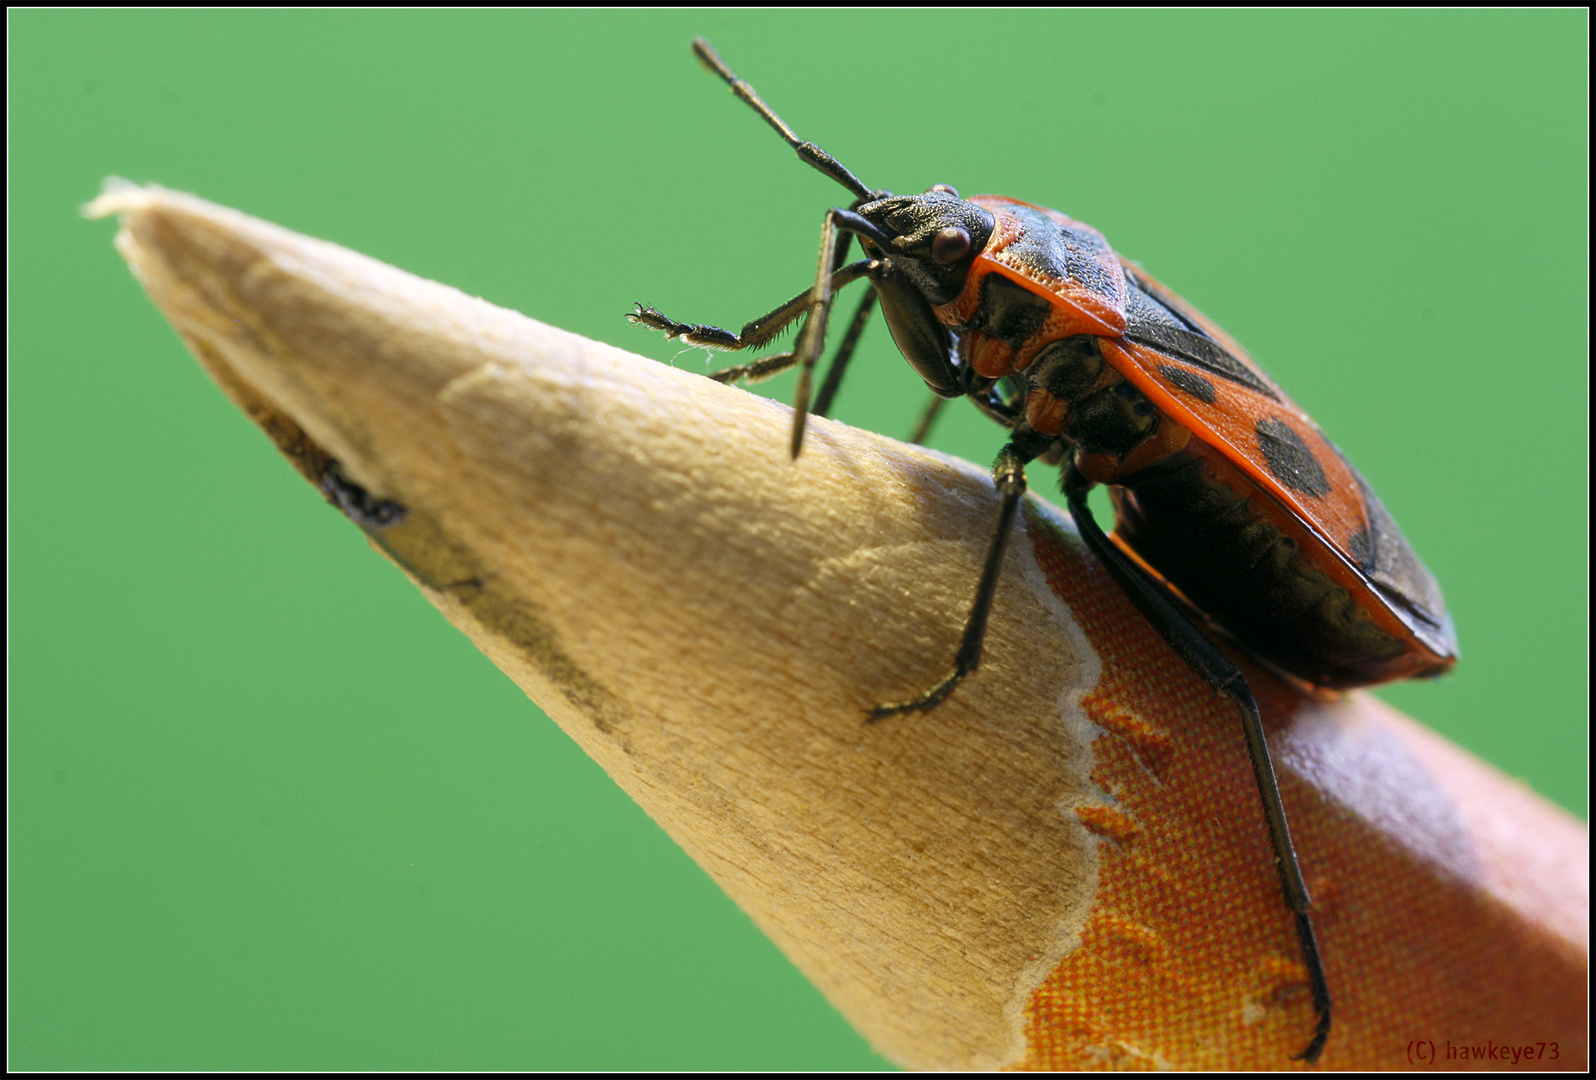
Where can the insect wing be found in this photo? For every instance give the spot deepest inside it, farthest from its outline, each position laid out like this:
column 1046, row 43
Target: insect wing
column 1199, row 376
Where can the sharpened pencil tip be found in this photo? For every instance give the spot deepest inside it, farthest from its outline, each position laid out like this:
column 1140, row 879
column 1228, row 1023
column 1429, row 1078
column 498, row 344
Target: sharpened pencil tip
column 117, row 196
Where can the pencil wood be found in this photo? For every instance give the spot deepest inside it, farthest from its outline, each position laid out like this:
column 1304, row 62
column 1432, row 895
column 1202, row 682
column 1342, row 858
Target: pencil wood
column 1061, row 866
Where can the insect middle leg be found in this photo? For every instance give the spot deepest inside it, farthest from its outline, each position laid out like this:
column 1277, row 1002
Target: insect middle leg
column 928, row 417
column 1005, row 409
column 1009, row 475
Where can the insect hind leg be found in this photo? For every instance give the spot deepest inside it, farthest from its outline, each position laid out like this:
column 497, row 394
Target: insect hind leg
column 1204, row 657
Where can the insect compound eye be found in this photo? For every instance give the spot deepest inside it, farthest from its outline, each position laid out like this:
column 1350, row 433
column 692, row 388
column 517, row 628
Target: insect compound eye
column 946, row 189
column 950, row 245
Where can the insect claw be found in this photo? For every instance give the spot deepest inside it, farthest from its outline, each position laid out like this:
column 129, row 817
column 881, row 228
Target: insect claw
column 647, row 316
column 924, row 703
column 1321, row 1035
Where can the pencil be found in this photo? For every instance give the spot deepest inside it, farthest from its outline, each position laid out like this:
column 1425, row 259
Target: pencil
column 1062, row 866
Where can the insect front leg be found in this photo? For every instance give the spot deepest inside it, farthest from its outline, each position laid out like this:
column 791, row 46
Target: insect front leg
column 1206, row 658
column 812, row 338
column 1009, row 475
column 754, row 334
column 844, row 353
column 771, row 366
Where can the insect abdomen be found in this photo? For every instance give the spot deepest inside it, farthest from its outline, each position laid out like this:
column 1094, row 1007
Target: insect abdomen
column 1203, row 526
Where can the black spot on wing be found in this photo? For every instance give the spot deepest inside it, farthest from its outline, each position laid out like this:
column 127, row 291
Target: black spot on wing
column 1290, row 460
column 1149, row 321
column 1189, row 381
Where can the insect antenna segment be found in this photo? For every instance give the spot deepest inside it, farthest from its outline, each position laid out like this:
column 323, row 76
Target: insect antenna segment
column 807, row 151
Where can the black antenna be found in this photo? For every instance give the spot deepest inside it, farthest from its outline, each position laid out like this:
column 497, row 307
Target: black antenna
column 807, row 151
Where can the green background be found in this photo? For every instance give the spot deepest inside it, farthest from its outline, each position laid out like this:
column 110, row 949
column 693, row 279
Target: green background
column 268, row 810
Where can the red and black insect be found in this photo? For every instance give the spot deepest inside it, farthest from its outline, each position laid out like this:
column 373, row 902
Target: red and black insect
column 1231, row 508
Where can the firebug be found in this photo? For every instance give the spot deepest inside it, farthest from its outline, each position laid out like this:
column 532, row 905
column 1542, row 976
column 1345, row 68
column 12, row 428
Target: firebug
column 1232, row 511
